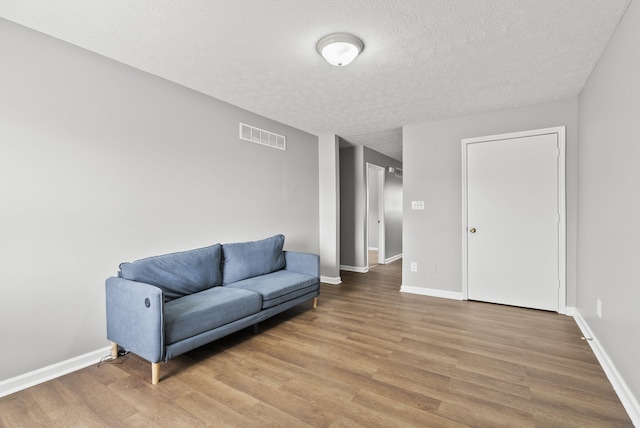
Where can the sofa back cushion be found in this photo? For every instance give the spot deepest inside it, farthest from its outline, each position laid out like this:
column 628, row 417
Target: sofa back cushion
column 242, row 260
column 178, row 274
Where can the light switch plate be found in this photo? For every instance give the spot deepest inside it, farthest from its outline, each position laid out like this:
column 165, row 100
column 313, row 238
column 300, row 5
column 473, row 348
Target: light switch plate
column 417, row 205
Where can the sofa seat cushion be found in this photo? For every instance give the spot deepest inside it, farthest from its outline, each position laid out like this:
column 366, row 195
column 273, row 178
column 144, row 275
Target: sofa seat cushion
column 196, row 313
column 242, row 260
column 278, row 287
column 178, row 274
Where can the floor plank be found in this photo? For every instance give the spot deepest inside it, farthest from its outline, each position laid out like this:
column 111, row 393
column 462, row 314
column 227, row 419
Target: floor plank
column 368, row 356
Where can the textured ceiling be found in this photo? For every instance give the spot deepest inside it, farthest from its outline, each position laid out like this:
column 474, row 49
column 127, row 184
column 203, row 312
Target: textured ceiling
column 423, row 60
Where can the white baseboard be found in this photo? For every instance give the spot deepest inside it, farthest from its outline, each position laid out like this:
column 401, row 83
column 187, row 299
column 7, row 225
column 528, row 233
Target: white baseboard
column 53, row 371
column 569, row 311
column 373, row 248
column 628, row 400
column 354, row 269
column 393, row 258
column 331, row 280
column 453, row 295
column 365, row 269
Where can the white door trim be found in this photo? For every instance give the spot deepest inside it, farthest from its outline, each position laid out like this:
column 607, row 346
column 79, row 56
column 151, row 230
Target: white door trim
column 381, row 225
column 562, row 227
column 382, row 235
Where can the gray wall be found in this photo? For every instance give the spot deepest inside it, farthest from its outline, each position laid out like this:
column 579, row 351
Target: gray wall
column 609, row 199
column 432, row 173
column 329, row 189
column 393, row 215
column 352, row 202
column 353, row 205
column 101, row 163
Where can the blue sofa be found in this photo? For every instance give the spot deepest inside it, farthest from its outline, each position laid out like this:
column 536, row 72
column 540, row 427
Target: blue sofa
column 160, row 307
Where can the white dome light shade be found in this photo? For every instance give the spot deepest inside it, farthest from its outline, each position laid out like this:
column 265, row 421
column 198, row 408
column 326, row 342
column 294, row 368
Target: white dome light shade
column 339, row 49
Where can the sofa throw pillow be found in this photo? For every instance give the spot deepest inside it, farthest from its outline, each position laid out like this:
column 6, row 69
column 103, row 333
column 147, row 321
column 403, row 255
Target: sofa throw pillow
column 242, row 260
column 178, row 274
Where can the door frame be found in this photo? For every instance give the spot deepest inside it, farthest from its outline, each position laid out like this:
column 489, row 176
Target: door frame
column 562, row 225
column 381, row 227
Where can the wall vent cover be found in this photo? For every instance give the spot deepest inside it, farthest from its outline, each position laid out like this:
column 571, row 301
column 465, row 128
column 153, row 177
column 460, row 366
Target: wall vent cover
column 260, row 136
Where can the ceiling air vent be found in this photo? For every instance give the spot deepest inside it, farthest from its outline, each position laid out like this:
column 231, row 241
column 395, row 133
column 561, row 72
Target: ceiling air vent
column 260, row 136
column 396, row 171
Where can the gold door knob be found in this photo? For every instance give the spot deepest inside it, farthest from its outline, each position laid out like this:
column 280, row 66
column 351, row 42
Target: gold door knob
column 472, row 230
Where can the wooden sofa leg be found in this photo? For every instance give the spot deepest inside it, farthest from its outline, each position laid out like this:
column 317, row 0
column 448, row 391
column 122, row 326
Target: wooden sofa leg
column 255, row 329
column 155, row 373
column 114, row 350
column 315, row 302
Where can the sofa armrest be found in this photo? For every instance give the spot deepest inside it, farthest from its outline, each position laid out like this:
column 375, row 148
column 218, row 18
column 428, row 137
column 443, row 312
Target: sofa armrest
column 135, row 317
column 306, row 263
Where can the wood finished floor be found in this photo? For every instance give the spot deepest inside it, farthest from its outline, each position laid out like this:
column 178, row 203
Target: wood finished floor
column 368, row 356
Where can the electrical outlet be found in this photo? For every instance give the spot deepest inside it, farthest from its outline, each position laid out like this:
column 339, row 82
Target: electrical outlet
column 414, row 266
column 599, row 308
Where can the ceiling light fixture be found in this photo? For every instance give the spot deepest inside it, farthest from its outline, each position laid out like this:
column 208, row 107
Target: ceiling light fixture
column 340, row 48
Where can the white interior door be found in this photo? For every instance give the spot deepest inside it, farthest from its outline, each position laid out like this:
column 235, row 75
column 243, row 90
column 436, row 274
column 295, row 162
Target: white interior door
column 382, row 234
column 376, row 237
column 513, row 220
